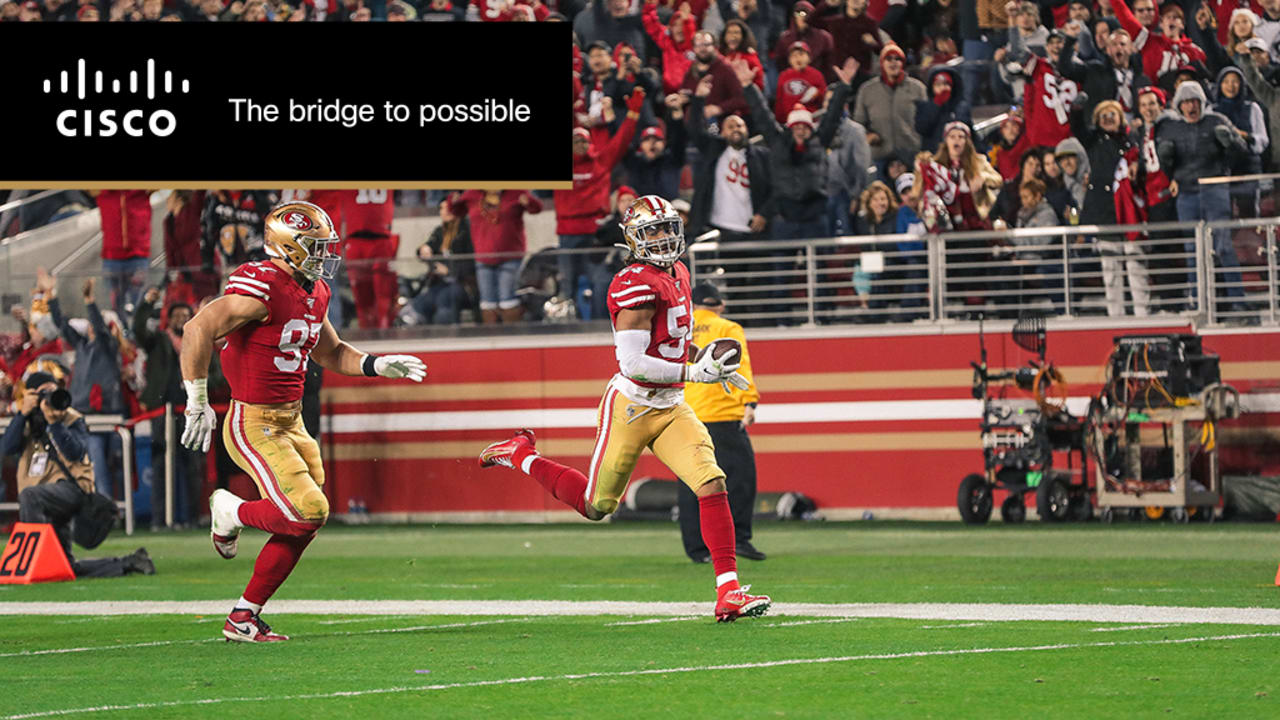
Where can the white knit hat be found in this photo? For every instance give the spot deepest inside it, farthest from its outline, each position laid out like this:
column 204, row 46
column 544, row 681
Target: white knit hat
column 800, row 116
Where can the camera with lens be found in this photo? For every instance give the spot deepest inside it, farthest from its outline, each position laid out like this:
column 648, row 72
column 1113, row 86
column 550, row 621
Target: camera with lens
column 58, row 398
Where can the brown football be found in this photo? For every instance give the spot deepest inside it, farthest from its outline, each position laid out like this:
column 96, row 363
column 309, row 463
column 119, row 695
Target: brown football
column 724, row 349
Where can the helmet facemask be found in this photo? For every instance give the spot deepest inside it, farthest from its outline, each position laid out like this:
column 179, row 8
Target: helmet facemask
column 322, row 260
column 659, row 241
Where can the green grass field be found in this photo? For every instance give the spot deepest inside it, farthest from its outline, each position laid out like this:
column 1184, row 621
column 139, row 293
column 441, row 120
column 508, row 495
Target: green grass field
column 807, row 659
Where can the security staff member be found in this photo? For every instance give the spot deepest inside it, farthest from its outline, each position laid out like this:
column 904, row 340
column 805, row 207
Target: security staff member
column 727, row 417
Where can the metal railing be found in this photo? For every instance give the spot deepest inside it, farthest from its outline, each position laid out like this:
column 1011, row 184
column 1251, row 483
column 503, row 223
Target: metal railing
column 1068, row 271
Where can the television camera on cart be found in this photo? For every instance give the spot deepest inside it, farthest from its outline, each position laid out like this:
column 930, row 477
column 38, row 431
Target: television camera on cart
column 1021, row 435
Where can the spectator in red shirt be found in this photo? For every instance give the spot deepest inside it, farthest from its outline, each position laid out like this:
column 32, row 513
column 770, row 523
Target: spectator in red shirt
column 674, row 40
column 496, row 218
column 799, row 84
column 579, row 209
column 126, row 245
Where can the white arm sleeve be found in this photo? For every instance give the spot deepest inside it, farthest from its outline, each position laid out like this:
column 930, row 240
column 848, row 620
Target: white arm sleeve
column 635, row 364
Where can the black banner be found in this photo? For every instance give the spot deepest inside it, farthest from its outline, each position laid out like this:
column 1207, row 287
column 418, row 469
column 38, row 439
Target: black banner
column 306, row 105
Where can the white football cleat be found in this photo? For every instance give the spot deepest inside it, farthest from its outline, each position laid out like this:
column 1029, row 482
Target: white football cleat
column 224, row 522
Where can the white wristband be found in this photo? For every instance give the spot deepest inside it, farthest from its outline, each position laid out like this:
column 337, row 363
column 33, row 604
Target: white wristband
column 197, row 391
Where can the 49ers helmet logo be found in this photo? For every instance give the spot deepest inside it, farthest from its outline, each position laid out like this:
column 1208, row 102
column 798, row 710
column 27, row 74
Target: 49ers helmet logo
column 298, row 221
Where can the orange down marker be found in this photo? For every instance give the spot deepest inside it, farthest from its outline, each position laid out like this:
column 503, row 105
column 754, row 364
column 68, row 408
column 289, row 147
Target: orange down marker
column 33, row 555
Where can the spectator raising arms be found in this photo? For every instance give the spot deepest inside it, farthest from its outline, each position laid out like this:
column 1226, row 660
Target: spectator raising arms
column 1166, row 51
column 674, row 40
column 497, row 230
column 579, row 209
column 1047, row 96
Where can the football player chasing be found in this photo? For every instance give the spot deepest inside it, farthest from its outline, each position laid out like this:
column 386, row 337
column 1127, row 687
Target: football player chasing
column 272, row 315
column 643, row 406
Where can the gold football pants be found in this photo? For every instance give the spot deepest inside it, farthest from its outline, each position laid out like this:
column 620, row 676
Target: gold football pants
column 624, row 429
column 272, row 445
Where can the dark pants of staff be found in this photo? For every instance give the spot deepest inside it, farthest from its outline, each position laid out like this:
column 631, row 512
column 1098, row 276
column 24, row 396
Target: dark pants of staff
column 735, row 456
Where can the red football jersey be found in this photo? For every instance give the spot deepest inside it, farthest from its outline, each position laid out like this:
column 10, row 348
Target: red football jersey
column 642, row 284
column 266, row 362
column 368, row 212
column 1047, row 103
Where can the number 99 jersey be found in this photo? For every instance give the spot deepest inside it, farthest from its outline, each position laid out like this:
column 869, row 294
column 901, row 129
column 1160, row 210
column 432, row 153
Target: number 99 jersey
column 266, row 362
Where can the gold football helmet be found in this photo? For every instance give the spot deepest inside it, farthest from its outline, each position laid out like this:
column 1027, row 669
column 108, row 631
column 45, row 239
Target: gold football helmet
column 654, row 231
column 301, row 234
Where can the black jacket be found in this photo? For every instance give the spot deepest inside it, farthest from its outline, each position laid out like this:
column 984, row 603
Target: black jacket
column 660, row 176
column 1189, row 152
column 164, row 376
column 799, row 177
column 1105, row 151
column 710, row 148
column 1097, row 77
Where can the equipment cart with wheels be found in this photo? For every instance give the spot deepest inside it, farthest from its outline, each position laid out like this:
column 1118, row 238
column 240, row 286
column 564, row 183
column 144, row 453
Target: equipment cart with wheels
column 1020, row 438
column 1152, row 430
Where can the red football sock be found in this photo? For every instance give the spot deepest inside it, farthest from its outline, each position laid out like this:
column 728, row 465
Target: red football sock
column 264, row 515
column 564, row 483
column 717, row 534
column 275, row 562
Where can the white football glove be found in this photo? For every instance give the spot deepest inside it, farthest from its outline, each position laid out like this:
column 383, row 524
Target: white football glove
column 201, row 420
column 709, row 370
column 400, row 366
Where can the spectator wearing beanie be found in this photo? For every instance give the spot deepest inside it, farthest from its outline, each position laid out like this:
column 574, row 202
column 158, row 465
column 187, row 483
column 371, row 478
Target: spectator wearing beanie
column 1071, row 158
column 655, row 166
column 801, row 29
column 1201, row 144
column 797, row 160
column 801, row 83
column 945, row 105
column 886, row 107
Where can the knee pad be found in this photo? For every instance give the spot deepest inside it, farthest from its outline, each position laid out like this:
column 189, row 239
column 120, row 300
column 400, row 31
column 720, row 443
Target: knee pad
column 314, row 507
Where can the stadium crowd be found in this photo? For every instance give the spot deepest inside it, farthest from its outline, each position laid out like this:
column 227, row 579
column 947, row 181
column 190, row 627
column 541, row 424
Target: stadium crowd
column 761, row 120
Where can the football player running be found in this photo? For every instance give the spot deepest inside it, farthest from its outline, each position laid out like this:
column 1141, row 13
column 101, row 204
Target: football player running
column 643, row 406
column 272, row 317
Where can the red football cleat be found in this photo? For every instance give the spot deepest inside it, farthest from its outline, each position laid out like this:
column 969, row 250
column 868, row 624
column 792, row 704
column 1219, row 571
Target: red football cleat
column 736, row 603
column 500, row 453
column 244, row 625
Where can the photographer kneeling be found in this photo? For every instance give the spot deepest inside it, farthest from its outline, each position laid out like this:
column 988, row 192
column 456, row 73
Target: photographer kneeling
column 54, row 474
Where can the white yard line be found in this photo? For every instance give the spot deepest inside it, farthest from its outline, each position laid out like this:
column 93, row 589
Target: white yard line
column 159, row 643
column 811, row 622
column 1135, row 627
column 957, row 625
column 625, row 673
column 656, row 620
column 958, row 612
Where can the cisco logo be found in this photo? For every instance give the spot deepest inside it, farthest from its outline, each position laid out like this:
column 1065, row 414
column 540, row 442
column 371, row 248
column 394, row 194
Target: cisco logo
column 133, row 122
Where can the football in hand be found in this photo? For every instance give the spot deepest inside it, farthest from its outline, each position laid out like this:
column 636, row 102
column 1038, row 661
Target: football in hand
column 725, row 350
